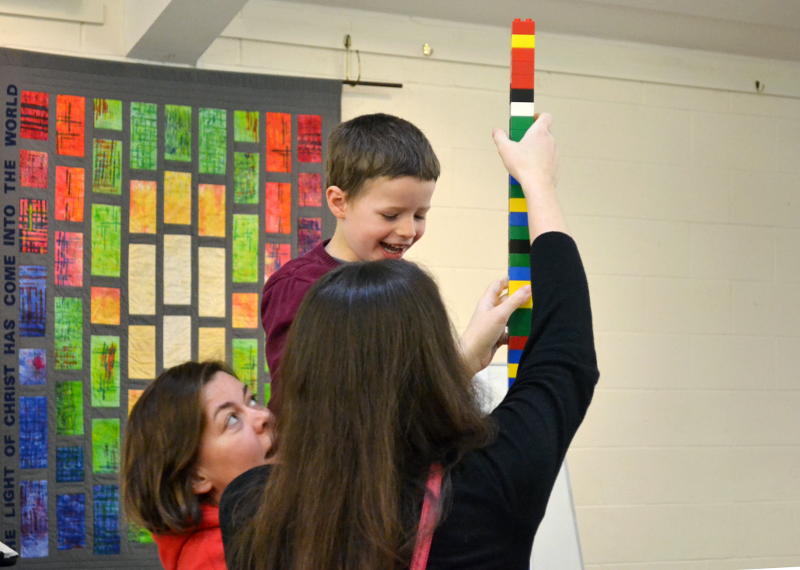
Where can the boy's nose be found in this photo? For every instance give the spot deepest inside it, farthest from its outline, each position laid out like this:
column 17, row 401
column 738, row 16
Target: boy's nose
column 406, row 228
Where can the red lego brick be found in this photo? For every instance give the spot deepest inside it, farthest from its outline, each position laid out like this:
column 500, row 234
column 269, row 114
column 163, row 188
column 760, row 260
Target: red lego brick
column 523, row 26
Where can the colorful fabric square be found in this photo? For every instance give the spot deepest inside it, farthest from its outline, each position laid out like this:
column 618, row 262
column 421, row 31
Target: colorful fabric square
column 279, row 142
column 245, row 248
column 32, row 300
column 70, row 125
column 246, row 169
column 33, row 168
column 32, row 366
column 177, row 340
column 211, row 344
column 133, row 397
column 108, row 114
column 106, row 240
column 177, row 197
column 276, row 255
column 33, row 519
column 178, row 133
column 144, row 136
column 245, row 126
column 142, row 352
column 107, row 166
column 105, row 445
column 71, row 521
column 69, row 408
column 105, row 371
column 309, row 234
column 105, row 519
column 142, row 207
column 69, row 464
column 33, row 226
column 68, row 333
column 211, row 210
column 105, row 306
column 309, row 189
column 69, row 259
column 521, row 106
column 245, row 361
column 33, row 432
column 177, row 271
column 278, row 202
column 139, row 534
column 309, row 138
column 245, row 310
column 69, row 193
column 211, row 281
column 213, row 133
column 34, row 115
column 141, row 279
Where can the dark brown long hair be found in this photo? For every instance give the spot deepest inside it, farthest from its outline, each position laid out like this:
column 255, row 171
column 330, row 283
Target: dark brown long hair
column 374, row 392
column 162, row 443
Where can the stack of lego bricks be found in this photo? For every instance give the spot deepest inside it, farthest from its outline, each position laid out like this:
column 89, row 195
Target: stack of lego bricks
column 523, row 46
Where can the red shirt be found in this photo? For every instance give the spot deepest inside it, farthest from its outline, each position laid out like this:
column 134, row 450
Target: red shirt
column 199, row 549
column 281, row 298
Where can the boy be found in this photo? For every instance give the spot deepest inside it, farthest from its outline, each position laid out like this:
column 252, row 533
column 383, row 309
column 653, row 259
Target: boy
column 381, row 173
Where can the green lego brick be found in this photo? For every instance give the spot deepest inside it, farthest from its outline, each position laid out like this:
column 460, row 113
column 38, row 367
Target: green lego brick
column 520, row 322
column 515, row 191
column 519, row 232
column 518, row 259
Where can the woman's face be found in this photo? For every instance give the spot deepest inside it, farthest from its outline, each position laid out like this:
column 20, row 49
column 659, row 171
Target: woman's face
column 238, row 434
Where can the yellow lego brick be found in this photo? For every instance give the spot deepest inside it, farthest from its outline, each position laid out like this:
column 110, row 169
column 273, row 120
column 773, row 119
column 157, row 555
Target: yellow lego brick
column 514, row 286
column 512, row 370
column 523, row 41
column 517, row 205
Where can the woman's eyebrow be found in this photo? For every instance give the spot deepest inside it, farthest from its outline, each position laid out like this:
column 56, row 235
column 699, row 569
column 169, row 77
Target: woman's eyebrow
column 229, row 404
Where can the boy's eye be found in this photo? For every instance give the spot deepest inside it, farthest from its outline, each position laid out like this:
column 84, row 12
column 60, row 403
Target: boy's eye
column 419, row 217
column 389, row 217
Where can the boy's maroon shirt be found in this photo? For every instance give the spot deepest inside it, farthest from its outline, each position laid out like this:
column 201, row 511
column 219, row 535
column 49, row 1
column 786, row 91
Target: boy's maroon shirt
column 282, row 295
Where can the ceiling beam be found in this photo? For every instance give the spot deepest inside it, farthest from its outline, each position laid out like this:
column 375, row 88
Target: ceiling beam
column 176, row 31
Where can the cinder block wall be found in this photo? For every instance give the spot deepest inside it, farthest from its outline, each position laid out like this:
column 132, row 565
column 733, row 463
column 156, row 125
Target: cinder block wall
column 686, row 203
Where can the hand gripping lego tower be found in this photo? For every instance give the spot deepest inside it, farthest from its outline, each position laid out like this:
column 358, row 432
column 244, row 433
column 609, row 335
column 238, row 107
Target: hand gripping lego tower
column 523, row 46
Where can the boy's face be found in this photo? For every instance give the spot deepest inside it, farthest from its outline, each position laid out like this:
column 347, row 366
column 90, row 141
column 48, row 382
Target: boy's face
column 238, row 434
column 385, row 219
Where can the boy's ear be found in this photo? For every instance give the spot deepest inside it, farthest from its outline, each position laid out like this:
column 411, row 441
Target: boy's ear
column 337, row 201
column 201, row 485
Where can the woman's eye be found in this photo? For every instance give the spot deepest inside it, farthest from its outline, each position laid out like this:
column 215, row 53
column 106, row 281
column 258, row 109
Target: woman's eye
column 231, row 420
column 253, row 401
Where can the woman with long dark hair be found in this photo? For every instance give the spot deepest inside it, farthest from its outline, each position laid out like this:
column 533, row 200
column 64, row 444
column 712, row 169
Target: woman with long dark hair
column 378, row 404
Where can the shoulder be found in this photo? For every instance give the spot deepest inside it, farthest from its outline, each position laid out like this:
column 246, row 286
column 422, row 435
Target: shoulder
column 302, row 271
column 241, row 498
column 203, row 550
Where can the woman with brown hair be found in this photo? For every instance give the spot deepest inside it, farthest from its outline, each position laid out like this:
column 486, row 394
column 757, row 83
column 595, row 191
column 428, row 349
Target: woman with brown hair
column 378, row 404
column 194, row 429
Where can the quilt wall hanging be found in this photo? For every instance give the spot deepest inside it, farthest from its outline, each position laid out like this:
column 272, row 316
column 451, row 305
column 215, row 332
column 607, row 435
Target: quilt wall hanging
column 143, row 207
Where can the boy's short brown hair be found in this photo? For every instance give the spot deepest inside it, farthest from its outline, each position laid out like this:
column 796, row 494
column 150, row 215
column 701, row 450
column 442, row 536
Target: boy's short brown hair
column 370, row 146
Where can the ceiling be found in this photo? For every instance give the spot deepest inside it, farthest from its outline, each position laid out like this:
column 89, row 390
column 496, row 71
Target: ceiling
column 757, row 28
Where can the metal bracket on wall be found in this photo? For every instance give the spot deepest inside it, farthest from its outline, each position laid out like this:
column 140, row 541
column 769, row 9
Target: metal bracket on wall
column 348, row 52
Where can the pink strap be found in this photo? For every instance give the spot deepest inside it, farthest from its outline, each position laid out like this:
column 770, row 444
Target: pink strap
column 427, row 518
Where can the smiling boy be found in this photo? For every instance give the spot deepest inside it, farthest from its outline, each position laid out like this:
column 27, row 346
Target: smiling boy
column 381, row 174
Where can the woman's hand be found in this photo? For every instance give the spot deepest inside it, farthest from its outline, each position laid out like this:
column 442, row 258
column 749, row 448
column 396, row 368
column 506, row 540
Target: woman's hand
column 486, row 330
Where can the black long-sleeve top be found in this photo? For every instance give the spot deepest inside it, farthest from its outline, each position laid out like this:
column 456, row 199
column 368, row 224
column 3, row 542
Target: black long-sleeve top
column 500, row 492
